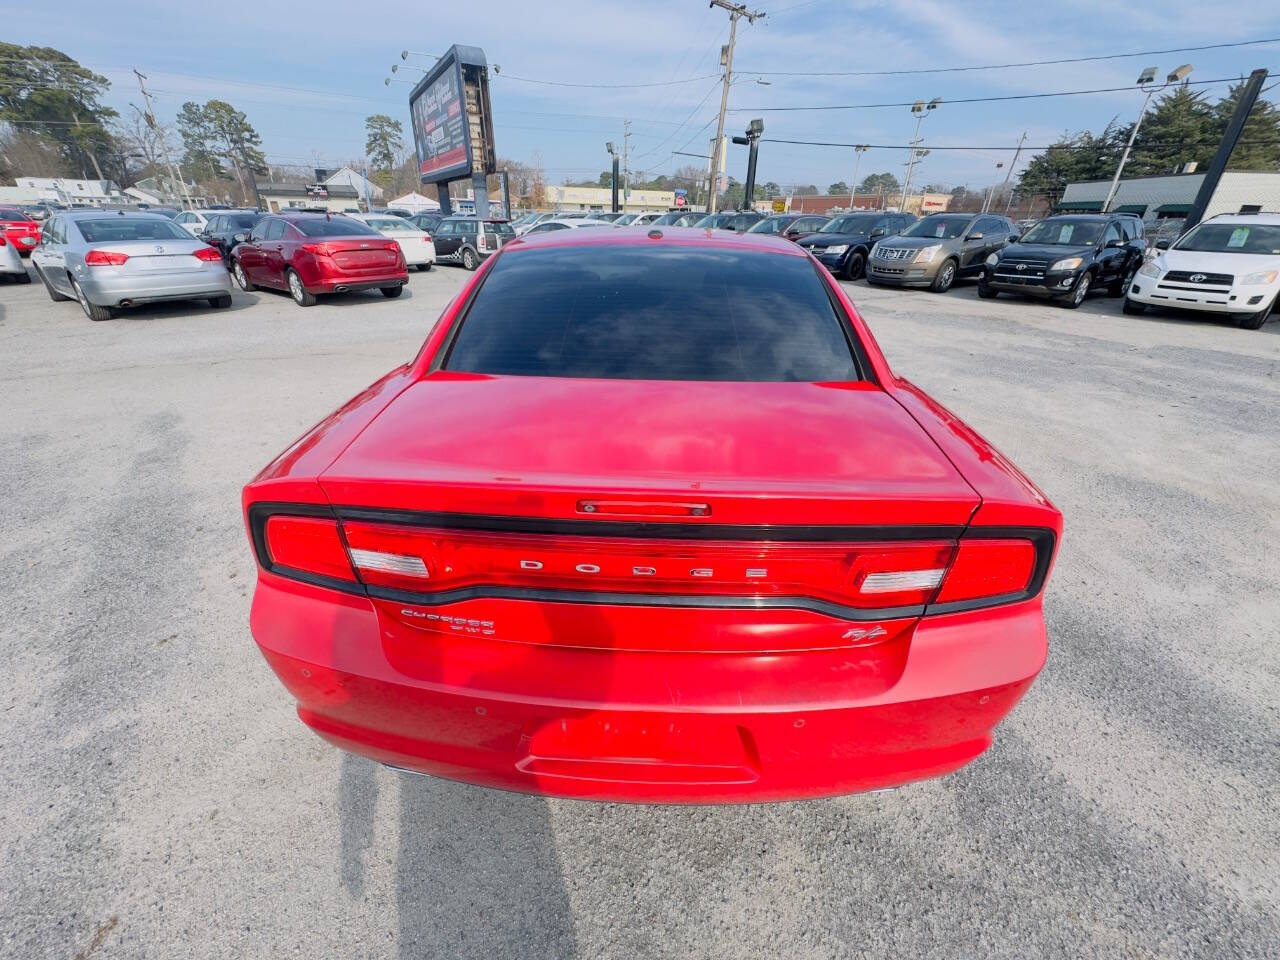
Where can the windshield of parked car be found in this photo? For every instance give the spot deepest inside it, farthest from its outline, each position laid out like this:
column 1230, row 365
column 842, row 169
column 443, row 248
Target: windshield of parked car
column 1256, row 238
column 626, row 218
column 714, row 220
column 245, row 220
column 861, row 223
column 596, row 311
column 772, row 225
column 1065, row 232
column 13, row 214
column 502, row 229
column 122, row 229
column 333, row 227
column 939, row 228
column 393, row 225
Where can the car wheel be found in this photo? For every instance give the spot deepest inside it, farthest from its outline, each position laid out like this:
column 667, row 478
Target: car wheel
column 299, row 293
column 424, row 267
column 220, row 303
column 856, row 266
column 391, row 292
column 469, row 260
column 54, row 295
column 1079, row 291
column 944, row 278
column 1119, row 288
column 91, row 310
column 242, row 279
column 1254, row 321
column 23, row 277
column 1132, row 307
column 986, row 292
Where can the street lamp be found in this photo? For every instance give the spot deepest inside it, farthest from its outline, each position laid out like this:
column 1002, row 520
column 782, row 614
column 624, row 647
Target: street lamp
column 613, row 152
column 991, row 190
column 1146, row 81
column 858, row 151
column 921, row 110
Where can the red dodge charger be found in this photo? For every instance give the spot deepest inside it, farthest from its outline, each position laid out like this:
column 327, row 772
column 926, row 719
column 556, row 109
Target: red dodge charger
column 649, row 518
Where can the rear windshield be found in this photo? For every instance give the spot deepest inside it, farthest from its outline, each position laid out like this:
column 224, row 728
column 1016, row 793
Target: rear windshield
column 333, row 227
column 501, row 229
column 627, row 313
column 17, row 216
column 122, row 229
column 393, row 225
column 244, row 219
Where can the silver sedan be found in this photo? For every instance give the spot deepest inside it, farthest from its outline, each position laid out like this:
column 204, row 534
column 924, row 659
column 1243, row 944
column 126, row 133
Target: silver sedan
column 11, row 264
column 108, row 260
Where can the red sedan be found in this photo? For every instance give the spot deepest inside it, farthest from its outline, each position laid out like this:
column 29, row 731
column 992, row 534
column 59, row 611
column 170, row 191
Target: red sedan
column 316, row 253
column 19, row 230
column 649, row 518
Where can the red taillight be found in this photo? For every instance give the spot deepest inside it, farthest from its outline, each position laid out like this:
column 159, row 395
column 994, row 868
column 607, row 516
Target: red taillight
column 208, row 255
column 104, row 258
column 391, row 245
column 431, row 560
column 316, row 249
column 2, row 241
column 988, row 568
column 308, row 544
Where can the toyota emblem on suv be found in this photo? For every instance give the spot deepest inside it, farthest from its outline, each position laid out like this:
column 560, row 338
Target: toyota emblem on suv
column 1197, row 278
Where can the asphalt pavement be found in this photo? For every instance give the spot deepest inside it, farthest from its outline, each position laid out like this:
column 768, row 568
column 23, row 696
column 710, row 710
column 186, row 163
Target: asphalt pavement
column 161, row 799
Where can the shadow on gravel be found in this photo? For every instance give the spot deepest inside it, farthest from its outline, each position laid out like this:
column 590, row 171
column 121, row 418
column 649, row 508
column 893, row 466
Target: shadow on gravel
column 356, row 298
column 477, row 874
column 176, row 308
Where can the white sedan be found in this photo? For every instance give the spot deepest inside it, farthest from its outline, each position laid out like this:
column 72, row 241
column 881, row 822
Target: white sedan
column 546, row 226
column 1228, row 265
column 415, row 243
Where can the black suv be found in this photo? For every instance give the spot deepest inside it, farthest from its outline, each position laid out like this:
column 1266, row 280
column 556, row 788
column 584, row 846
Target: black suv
column 468, row 241
column 1065, row 257
column 843, row 244
column 427, row 221
column 220, row 231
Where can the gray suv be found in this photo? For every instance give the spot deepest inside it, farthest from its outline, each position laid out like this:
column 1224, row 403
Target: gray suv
column 934, row 251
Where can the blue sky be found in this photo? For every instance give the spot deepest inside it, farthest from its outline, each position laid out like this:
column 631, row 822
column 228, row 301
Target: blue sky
column 308, row 74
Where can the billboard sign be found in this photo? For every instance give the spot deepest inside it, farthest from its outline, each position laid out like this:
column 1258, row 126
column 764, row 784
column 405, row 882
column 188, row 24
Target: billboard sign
column 682, row 198
column 450, row 117
column 317, row 191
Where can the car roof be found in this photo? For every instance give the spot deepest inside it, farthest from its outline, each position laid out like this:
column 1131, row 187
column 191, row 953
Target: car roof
column 1260, row 217
column 128, row 214
column 641, row 236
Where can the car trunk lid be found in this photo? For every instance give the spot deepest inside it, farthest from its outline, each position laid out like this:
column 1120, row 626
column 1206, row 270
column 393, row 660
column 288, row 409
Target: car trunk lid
column 749, row 453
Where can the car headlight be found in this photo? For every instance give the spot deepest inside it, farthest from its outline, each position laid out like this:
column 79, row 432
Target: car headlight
column 1263, row 276
column 1070, row 263
column 927, row 253
column 838, row 248
column 992, row 260
column 1150, row 269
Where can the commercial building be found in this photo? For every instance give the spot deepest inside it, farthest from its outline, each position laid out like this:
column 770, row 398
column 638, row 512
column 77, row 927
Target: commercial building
column 1171, row 196
column 600, row 198
column 282, row 196
column 917, row 203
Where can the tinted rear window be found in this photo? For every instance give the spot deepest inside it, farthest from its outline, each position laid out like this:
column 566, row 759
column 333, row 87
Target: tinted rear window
column 333, row 227
column 123, row 229
column 627, row 313
column 244, row 220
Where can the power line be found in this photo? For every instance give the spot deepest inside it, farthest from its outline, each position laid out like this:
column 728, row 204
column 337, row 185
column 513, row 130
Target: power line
column 1008, row 66
column 1052, row 146
column 609, row 86
column 1016, row 96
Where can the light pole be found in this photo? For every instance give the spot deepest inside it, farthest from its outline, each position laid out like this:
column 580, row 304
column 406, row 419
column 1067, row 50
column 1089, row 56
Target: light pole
column 858, row 151
column 986, row 204
column 613, row 152
column 921, row 110
column 1146, row 81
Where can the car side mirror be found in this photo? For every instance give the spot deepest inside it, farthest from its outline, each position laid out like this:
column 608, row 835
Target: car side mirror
column 1163, row 243
column 974, row 236
column 877, row 232
column 1015, row 237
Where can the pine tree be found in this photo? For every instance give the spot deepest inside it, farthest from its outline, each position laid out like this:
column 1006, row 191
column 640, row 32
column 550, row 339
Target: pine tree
column 1180, row 128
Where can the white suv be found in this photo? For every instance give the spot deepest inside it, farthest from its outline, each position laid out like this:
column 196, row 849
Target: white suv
column 1228, row 265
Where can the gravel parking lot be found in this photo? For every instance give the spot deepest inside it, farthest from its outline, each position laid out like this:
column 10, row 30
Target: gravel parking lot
column 160, row 798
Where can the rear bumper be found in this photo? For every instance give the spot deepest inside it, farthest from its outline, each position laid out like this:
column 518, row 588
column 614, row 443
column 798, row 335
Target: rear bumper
column 647, row 726
column 339, row 285
column 104, row 290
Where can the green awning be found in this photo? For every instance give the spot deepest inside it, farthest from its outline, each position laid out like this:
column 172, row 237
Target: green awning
column 1081, row 206
column 1174, row 208
column 1132, row 208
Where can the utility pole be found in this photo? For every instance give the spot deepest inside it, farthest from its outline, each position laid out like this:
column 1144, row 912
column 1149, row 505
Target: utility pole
column 736, row 10
column 150, row 118
column 613, row 153
column 626, row 163
column 858, row 151
column 1008, row 197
